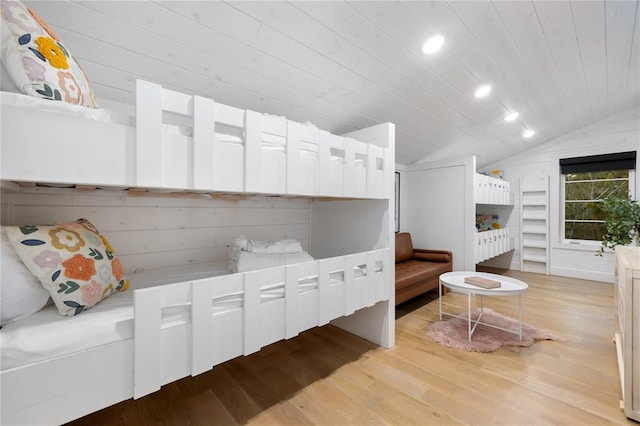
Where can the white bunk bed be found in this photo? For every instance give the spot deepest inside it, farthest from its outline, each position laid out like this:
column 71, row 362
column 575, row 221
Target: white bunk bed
column 184, row 320
column 169, row 144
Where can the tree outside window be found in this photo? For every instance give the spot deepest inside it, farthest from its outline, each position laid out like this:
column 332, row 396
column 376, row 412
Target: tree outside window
column 584, row 193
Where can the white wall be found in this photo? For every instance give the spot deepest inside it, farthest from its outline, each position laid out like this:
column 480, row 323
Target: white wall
column 440, row 208
column 154, row 230
column 615, row 134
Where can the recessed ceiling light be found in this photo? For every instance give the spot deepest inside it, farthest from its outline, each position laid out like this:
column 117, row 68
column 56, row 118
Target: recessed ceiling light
column 483, row 91
column 528, row 133
column 511, row 116
column 433, row 44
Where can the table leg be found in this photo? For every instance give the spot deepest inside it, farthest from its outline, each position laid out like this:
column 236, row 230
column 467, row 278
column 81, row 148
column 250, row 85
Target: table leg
column 469, row 313
column 440, row 297
column 520, row 314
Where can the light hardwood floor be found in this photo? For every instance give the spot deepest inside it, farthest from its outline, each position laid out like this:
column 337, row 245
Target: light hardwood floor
column 326, row 376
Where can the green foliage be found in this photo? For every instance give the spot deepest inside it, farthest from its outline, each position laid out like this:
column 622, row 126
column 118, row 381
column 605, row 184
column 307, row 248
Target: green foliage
column 622, row 221
column 584, row 213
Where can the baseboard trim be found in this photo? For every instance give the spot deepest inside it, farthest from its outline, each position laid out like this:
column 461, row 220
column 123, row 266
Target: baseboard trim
column 583, row 275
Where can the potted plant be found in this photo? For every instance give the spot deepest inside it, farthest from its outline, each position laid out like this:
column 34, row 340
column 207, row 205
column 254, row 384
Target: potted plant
column 622, row 222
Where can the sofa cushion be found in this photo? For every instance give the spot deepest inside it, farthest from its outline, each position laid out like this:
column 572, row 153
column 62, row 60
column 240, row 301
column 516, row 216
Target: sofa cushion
column 414, row 271
column 404, row 247
column 432, row 257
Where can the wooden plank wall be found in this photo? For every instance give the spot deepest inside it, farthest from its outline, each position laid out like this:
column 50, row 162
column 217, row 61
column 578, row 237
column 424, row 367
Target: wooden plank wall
column 152, row 230
column 615, row 134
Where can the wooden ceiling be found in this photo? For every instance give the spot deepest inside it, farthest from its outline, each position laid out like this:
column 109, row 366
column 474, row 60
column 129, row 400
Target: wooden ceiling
column 347, row 65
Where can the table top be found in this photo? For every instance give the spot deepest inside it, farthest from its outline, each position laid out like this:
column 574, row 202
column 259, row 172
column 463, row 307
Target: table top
column 508, row 286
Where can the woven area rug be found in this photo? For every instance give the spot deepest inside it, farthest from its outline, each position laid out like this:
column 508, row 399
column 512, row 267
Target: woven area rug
column 454, row 333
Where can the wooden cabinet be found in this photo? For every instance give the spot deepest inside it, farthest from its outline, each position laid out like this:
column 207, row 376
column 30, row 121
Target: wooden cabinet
column 627, row 335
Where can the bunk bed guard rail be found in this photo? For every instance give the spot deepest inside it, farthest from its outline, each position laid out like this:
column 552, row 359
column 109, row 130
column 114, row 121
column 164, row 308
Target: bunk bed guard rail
column 237, row 314
column 194, row 143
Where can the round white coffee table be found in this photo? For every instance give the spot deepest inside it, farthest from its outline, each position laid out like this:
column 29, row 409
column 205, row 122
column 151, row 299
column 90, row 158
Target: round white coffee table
column 454, row 281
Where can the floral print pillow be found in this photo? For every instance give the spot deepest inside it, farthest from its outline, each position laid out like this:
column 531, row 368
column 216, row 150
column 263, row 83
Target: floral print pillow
column 36, row 60
column 72, row 260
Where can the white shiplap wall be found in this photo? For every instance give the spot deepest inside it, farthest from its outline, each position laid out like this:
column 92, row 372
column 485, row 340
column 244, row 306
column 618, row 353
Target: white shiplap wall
column 618, row 133
column 151, row 230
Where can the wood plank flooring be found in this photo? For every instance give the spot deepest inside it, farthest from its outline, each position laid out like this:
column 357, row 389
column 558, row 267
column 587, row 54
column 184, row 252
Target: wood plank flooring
column 326, row 376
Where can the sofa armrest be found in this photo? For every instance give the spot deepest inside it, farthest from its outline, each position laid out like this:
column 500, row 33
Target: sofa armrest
column 432, row 255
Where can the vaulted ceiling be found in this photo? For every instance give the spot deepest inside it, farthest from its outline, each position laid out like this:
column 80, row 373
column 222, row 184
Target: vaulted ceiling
column 347, row 65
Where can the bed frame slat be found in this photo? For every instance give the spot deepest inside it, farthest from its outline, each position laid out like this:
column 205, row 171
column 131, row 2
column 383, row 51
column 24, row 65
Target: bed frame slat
column 252, row 281
column 179, row 103
column 324, row 297
column 147, row 311
column 227, row 336
column 202, row 354
column 324, row 165
column 204, row 146
column 293, row 158
column 349, row 168
column 349, row 294
column 252, row 150
column 148, row 134
column 292, row 273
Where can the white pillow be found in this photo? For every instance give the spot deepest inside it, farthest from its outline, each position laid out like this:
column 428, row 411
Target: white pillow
column 6, row 83
column 21, row 293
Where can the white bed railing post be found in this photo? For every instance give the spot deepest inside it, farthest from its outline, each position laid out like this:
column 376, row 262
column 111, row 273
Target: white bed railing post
column 252, row 152
column 384, row 290
column 375, row 178
column 293, row 158
column 349, row 282
column 291, row 300
column 204, row 146
column 324, row 165
column 202, row 354
column 371, row 287
column 227, row 338
column 147, row 360
column 148, row 134
column 324, row 297
column 371, row 171
column 387, row 190
column 252, row 327
column 362, row 170
column 349, row 167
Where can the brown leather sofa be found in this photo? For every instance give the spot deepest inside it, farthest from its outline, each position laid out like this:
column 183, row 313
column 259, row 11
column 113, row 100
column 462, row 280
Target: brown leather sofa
column 418, row 270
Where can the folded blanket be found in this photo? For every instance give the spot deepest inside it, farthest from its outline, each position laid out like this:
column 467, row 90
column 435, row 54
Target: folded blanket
column 276, row 247
column 266, row 247
column 246, row 261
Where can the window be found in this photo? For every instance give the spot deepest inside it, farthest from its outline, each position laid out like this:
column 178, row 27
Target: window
column 586, row 182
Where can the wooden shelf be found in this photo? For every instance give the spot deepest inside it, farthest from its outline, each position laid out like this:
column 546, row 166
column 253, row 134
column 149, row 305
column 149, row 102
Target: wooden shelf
column 534, row 221
column 534, row 231
column 540, row 259
column 535, row 244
